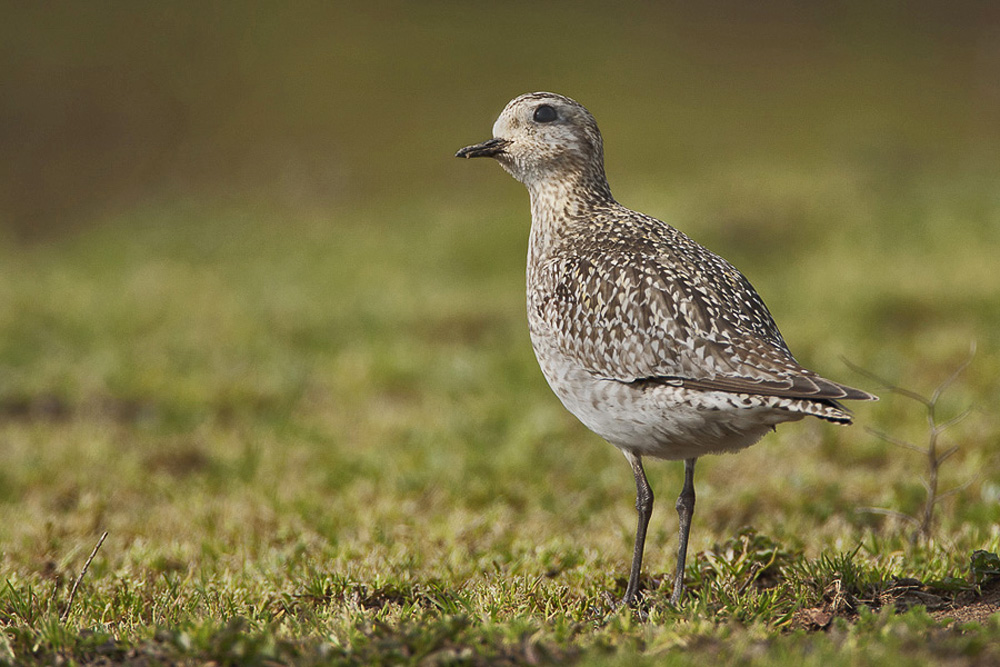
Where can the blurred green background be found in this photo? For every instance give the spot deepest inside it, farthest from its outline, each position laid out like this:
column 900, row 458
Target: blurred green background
column 260, row 324
column 109, row 106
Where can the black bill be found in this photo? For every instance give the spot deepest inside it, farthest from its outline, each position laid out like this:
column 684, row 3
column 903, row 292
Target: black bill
column 490, row 148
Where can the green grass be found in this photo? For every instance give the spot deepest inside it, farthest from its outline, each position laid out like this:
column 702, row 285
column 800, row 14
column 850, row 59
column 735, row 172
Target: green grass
column 326, row 440
column 260, row 327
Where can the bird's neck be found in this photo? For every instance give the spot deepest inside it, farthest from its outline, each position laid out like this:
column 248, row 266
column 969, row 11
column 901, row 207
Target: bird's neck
column 558, row 201
column 559, row 205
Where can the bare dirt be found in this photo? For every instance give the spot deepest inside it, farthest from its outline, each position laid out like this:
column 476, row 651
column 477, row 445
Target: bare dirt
column 972, row 608
column 969, row 606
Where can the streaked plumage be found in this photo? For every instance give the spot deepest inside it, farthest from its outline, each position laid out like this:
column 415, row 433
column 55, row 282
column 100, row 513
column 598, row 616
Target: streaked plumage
column 654, row 342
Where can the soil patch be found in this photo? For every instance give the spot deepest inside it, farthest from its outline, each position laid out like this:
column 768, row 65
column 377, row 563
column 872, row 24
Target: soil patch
column 971, row 608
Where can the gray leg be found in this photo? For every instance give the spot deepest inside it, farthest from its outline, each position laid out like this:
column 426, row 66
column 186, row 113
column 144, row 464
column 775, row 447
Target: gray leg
column 685, row 510
column 644, row 506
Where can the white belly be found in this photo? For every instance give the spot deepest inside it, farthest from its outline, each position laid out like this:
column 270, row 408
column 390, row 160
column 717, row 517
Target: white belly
column 658, row 420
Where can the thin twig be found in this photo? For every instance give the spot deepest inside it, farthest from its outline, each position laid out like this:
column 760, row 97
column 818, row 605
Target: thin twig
column 889, row 386
column 83, row 572
column 896, row 389
column 944, row 457
column 954, row 420
column 886, row 384
column 935, row 429
column 755, row 569
column 888, row 512
column 895, row 441
column 954, row 376
column 957, row 489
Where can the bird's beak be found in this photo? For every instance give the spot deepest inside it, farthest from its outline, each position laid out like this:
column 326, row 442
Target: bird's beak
column 490, row 148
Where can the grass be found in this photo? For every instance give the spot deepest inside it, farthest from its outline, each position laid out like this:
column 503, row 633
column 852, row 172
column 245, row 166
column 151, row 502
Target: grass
column 327, row 441
column 300, row 396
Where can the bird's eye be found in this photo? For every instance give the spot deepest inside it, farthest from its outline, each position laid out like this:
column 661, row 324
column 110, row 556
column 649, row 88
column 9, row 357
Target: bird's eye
column 545, row 114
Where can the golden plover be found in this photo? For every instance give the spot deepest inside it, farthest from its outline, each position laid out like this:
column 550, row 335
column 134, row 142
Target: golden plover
column 655, row 343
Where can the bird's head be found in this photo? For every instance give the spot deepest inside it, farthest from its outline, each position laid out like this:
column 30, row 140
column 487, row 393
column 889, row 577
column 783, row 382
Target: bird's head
column 542, row 137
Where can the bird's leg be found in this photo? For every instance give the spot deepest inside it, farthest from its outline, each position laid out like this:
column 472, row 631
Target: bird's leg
column 644, row 506
column 685, row 510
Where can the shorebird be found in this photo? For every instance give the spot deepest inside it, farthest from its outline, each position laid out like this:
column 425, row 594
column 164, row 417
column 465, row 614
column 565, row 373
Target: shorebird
column 654, row 342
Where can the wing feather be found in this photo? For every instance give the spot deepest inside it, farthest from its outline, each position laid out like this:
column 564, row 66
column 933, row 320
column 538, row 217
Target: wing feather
column 672, row 312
